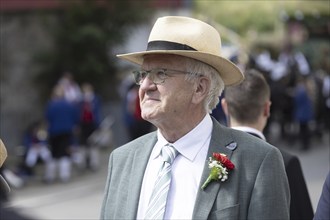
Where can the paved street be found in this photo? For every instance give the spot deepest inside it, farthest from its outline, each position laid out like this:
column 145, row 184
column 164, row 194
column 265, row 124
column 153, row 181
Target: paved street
column 82, row 197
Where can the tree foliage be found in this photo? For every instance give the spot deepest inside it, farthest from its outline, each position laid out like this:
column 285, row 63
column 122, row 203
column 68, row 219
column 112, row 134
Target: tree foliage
column 265, row 23
column 243, row 16
column 83, row 35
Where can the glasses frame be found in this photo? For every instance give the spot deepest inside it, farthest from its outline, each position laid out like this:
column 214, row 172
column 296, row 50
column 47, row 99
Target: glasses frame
column 157, row 80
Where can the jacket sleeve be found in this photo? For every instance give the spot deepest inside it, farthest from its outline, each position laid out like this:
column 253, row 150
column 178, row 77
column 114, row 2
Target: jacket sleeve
column 301, row 206
column 270, row 197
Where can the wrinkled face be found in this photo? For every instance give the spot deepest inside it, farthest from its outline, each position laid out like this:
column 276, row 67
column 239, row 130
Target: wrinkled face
column 169, row 100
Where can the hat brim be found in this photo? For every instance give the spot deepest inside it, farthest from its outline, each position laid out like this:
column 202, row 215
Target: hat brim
column 229, row 72
column 4, row 185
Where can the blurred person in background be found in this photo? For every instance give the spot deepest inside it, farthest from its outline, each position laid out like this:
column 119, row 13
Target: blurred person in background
column 325, row 66
column 278, row 77
column 136, row 125
column 283, row 75
column 36, row 144
column 71, row 89
column 218, row 113
column 72, row 94
column 303, row 111
column 247, row 107
column 90, row 118
column 62, row 119
column 326, row 95
column 181, row 76
column 294, row 63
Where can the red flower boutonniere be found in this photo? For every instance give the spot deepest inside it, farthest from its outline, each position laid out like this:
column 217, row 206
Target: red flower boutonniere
column 219, row 165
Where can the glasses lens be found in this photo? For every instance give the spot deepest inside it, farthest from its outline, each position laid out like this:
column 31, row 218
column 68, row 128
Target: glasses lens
column 139, row 76
column 158, row 76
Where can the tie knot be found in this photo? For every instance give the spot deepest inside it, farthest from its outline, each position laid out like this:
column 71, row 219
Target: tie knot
column 169, row 153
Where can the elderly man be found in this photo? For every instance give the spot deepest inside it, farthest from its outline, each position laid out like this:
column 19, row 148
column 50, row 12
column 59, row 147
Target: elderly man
column 191, row 167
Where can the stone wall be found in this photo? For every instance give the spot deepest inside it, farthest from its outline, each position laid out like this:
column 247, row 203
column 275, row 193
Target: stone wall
column 21, row 37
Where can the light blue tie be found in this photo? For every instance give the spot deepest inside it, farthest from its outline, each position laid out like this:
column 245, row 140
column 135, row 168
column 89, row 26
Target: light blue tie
column 157, row 202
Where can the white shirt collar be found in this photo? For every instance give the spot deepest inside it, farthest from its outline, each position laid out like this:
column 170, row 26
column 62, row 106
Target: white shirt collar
column 251, row 130
column 196, row 137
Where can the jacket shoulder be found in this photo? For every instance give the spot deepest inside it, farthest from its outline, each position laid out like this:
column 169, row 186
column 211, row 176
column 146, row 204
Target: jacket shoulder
column 136, row 143
column 247, row 142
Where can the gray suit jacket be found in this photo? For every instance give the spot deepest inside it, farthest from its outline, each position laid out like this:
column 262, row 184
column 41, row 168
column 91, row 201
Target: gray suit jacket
column 256, row 189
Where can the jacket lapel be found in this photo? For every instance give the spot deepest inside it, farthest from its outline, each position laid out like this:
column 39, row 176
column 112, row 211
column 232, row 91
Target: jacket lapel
column 139, row 165
column 221, row 137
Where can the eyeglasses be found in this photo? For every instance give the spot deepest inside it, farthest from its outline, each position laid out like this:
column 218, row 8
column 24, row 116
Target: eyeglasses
column 157, row 76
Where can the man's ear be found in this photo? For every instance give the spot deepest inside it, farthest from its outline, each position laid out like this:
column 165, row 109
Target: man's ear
column 201, row 90
column 267, row 108
column 224, row 106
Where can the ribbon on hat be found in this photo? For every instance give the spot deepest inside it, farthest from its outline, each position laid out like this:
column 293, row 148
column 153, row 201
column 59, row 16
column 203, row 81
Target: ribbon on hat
column 167, row 45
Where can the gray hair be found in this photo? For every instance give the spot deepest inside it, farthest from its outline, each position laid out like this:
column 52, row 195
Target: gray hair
column 216, row 87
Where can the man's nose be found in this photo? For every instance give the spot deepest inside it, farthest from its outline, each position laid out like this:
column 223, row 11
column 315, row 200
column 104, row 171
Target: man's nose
column 147, row 82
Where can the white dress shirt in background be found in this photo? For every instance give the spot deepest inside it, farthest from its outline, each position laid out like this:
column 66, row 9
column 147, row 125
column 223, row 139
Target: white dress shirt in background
column 251, row 130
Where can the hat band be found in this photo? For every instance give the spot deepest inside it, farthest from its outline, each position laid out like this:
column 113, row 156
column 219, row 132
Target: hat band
column 167, row 45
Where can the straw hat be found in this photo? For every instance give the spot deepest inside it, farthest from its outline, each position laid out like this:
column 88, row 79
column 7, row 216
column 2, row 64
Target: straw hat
column 3, row 155
column 190, row 38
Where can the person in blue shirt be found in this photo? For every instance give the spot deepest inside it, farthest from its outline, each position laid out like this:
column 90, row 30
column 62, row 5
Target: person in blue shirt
column 62, row 118
column 89, row 122
column 303, row 111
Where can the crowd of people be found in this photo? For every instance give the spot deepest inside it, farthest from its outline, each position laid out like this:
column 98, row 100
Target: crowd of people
column 300, row 93
column 62, row 137
column 72, row 132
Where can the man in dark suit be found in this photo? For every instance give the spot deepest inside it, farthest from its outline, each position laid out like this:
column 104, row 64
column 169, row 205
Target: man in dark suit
column 247, row 107
column 323, row 206
column 161, row 175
